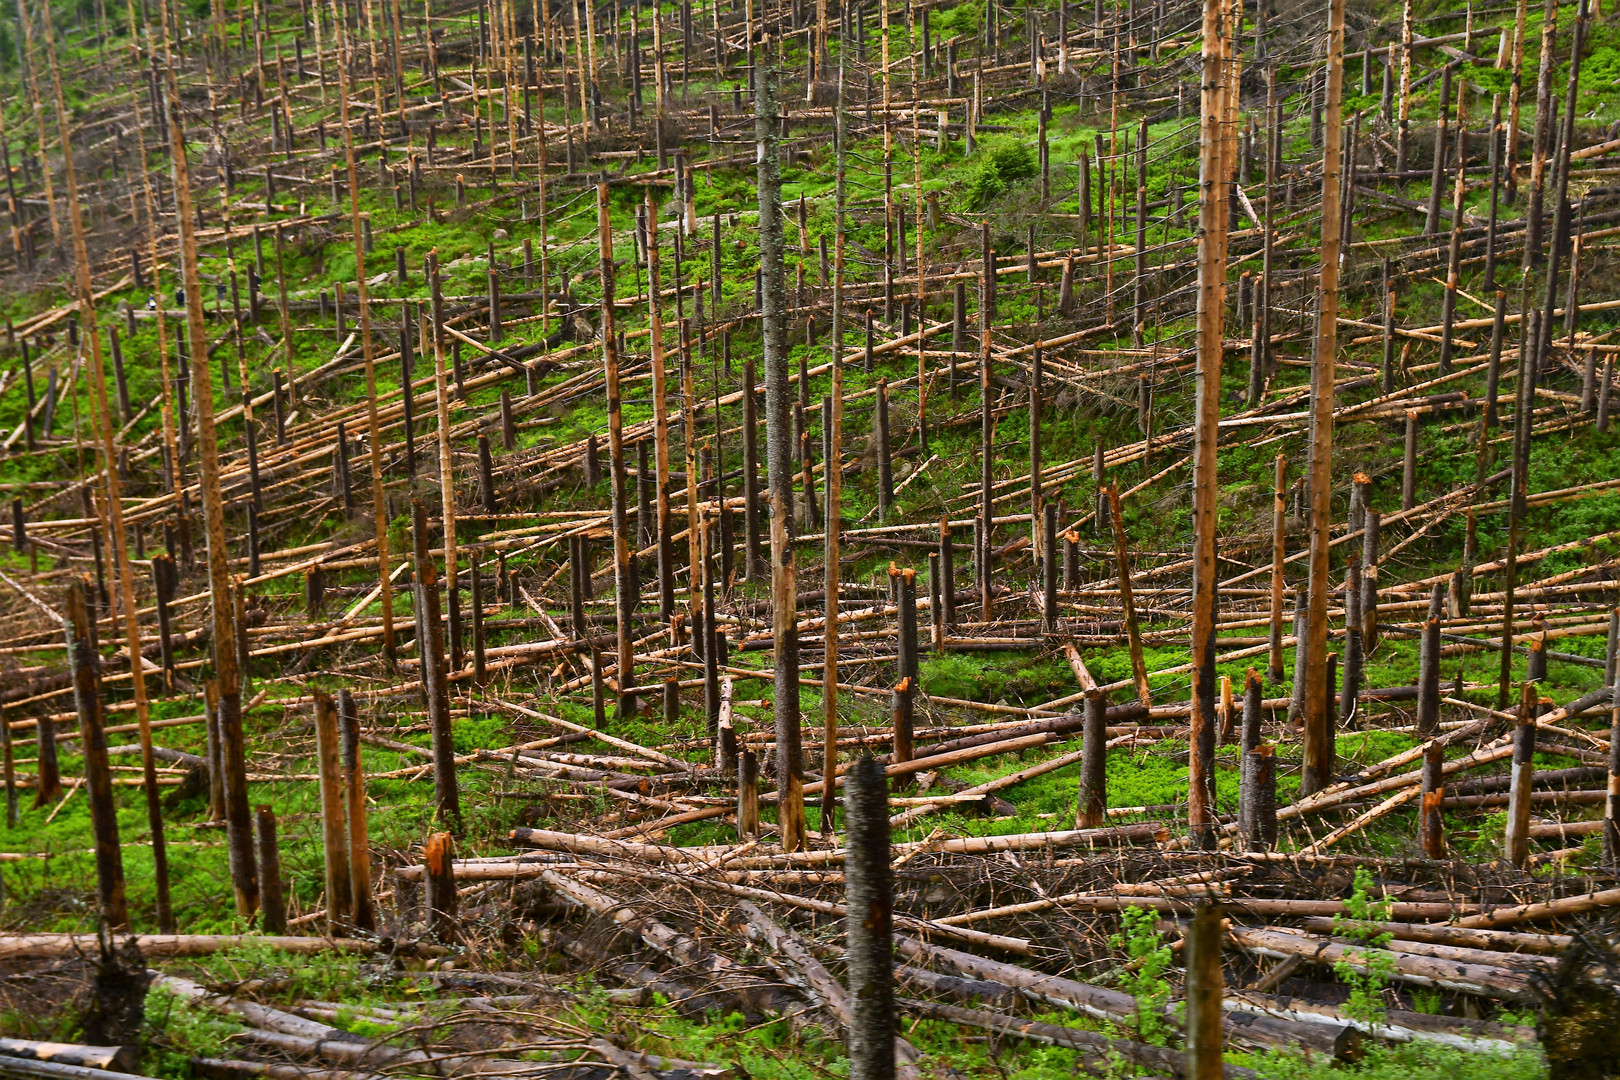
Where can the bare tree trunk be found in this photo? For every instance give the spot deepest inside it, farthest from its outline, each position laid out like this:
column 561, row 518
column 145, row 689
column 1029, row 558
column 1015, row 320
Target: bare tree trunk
column 1279, row 534
column 98, row 785
column 1212, row 221
column 779, row 463
column 239, row 823
column 1428, row 708
column 1205, row 986
column 274, row 909
column 1523, row 416
column 334, row 830
column 430, row 648
column 379, row 508
column 655, row 321
column 869, row 896
column 1431, row 821
column 1611, row 806
column 1127, row 603
column 1318, row 751
column 441, row 390
column 109, row 446
column 438, row 854
column 1092, row 811
column 833, row 420
column 625, row 591
column 354, row 801
column 1516, row 837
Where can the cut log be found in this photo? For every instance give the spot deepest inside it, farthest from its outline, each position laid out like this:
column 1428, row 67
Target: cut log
column 1418, row 970
column 1548, row 909
column 48, row 1070
column 1398, row 1025
column 18, row 946
column 117, row 1058
column 1444, row 934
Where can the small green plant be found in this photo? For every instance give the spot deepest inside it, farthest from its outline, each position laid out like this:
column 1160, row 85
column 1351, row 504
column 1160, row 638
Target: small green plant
column 1368, row 970
column 1144, row 975
column 1001, row 162
column 1427, row 1001
column 178, row 1029
column 1488, row 844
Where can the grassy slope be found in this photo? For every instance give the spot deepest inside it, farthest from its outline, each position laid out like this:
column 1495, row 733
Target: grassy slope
column 52, row 893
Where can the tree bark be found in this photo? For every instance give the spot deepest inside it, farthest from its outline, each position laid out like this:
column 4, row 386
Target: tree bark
column 779, row 453
column 97, row 773
column 1318, row 752
column 239, row 824
column 869, row 897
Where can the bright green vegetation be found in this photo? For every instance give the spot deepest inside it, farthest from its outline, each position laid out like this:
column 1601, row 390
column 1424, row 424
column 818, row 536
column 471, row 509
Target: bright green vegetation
column 1148, row 959
column 1366, row 970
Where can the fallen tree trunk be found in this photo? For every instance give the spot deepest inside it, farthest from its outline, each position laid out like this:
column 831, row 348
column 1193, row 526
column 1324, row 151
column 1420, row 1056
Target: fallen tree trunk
column 689, row 1001
column 230, row 1068
column 343, row 1048
column 1067, row 724
column 1547, row 909
column 819, row 983
column 954, row 986
column 293, row 1034
column 1101, row 1055
column 1107, row 1004
column 1451, row 934
column 580, row 844
column 117, row 1058
column 1565, row 830
column 679, row 947
column 17, row 946
column 1420, row 970
column 1256, row 906
column 825, row 907
column 1462, row 954
column 49, row 1070
column 1398, row 1025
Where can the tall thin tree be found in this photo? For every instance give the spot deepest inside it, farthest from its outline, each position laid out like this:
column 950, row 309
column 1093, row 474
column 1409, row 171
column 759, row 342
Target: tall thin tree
column 834, row 420
column 1212, row 218
column 1318, row 765
column 238, row 819
column 625, row 591
column 779, row 463
column 108, row 440
column 379, row 507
